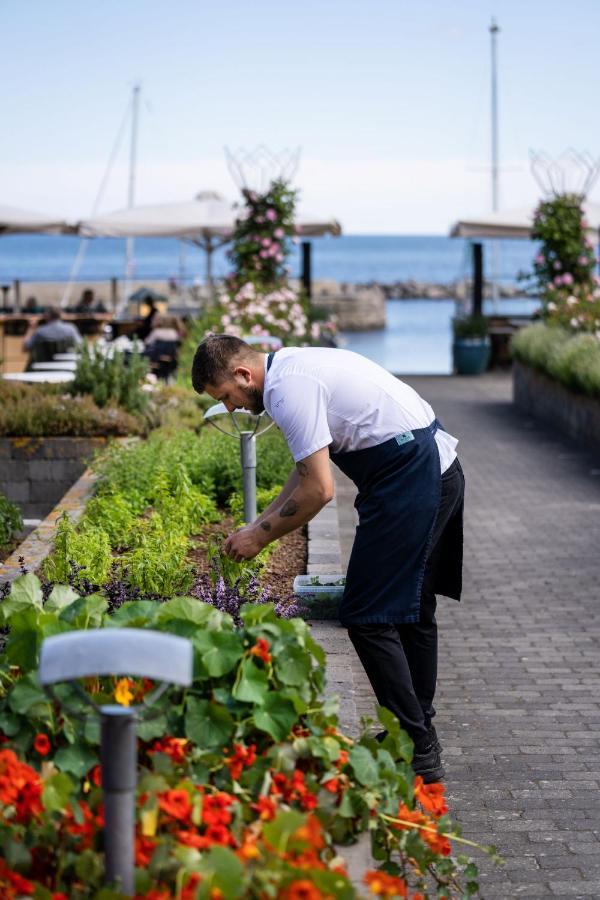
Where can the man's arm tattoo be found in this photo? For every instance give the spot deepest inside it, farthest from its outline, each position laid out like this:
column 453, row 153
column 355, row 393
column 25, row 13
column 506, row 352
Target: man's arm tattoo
column 302, row 469
column 266, row 526
column 290, row 508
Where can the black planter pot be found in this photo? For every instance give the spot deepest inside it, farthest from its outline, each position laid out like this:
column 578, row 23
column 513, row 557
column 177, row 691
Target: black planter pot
column 471, row 355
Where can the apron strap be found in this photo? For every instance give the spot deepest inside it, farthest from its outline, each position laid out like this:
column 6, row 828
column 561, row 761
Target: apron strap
column 270, row 359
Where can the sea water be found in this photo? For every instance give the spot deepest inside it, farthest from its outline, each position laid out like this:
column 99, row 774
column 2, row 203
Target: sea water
column 350, row 258
column 418, row 334
column 417, row 339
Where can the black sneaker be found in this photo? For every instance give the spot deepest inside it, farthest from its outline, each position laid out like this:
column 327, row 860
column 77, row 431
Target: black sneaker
column 432, row 734
column 428, row 764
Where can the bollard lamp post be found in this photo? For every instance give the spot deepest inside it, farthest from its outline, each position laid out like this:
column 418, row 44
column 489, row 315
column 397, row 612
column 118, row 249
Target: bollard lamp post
column 164, row 658
column 247, row 439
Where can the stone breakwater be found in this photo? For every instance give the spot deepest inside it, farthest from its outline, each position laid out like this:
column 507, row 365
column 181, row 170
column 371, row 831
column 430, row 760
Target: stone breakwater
column 355, row 308
column 456, row 290
column 361, row 307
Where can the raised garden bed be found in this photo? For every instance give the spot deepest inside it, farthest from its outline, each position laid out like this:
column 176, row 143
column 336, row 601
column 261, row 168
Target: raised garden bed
column 576, row 415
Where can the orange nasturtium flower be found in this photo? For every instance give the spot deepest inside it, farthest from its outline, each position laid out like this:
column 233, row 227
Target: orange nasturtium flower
column 41, row 744
column 123, row 691
column 261, row 649
column 431, row 797
column 383, row 885
column 176, row 803
column 301, row 889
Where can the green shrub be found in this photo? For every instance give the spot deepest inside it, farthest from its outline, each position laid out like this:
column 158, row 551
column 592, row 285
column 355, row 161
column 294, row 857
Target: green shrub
column 32, row 410
column 111, row 378
column 11, row 520
column 574, row 360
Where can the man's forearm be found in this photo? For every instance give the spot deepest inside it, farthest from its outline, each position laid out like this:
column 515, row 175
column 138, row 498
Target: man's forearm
column 300, row 507
column 286, row 491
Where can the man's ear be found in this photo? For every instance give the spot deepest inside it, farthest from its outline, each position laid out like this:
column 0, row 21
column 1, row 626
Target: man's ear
column 244, row 373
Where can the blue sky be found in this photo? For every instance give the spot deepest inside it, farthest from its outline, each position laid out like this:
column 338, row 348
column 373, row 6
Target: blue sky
column 389, row 100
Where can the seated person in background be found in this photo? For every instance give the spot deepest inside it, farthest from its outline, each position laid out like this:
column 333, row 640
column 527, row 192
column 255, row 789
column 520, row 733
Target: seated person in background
column 164, row 328
column 51, row 336
column 88, row 303
column 32, row 306
column 162, row 345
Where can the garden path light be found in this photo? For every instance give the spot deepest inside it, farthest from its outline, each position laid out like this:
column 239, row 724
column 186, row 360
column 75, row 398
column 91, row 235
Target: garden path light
column 247, row 450
column 164, row 658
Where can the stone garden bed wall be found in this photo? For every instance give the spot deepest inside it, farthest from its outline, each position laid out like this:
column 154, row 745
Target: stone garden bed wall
column 36, row 472
column 37, row 545
column 544, row 398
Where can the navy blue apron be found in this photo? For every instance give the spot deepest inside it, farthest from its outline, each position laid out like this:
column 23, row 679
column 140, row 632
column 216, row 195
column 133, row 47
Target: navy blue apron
column 399, row 487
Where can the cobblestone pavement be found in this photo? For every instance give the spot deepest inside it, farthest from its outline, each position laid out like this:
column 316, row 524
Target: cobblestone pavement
column 518, row 699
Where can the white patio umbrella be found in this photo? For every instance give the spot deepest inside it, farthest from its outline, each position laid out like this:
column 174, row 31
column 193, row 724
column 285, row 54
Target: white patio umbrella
column 207, row 221
column 19, row 221
column 513, row 223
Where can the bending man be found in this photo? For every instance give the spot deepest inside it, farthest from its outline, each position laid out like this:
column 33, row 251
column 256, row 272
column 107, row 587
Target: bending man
column 336, row 405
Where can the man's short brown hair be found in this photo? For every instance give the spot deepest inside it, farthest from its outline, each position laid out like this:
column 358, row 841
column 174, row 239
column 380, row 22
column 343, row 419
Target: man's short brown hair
column 213, row 359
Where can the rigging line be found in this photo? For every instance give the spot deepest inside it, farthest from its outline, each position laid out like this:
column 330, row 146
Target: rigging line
column 83, row 244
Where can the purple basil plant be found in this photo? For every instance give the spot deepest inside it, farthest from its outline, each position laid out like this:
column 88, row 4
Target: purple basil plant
column 230, row 597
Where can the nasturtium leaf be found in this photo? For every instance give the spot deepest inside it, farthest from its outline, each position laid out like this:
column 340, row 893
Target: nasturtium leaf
column 207, row 724
column 397, row 740
column 91, row 730
column 147, row 729
column 27, row 697
column 300, row 704
column 346, row 809
column 15, row 854
column 219, row 651
column 253, row 613
column 252, row 683
column 363, row 764
column 189, row 609
column 9, row 724
column 25, row 592
column 279, row 831
column 75, row 760
column 86, row 612
column 223, row 871
column 88, row 866
column 61, row 595
column 292, row 665
column 331, row 884
column 23, row 642
column 276, row 716
column 57, row 792
column 134, row 614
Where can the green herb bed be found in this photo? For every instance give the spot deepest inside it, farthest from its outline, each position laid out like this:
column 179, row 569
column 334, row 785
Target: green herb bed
column 247, row 785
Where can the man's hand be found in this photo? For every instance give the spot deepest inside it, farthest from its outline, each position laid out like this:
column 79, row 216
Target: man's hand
column 244, row 544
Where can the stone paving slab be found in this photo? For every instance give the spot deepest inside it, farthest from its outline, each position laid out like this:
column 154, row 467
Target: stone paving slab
column 518, row 697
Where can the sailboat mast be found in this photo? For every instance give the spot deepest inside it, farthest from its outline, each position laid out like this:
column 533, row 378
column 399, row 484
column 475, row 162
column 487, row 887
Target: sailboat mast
column 494, row 29
column 129, row 260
